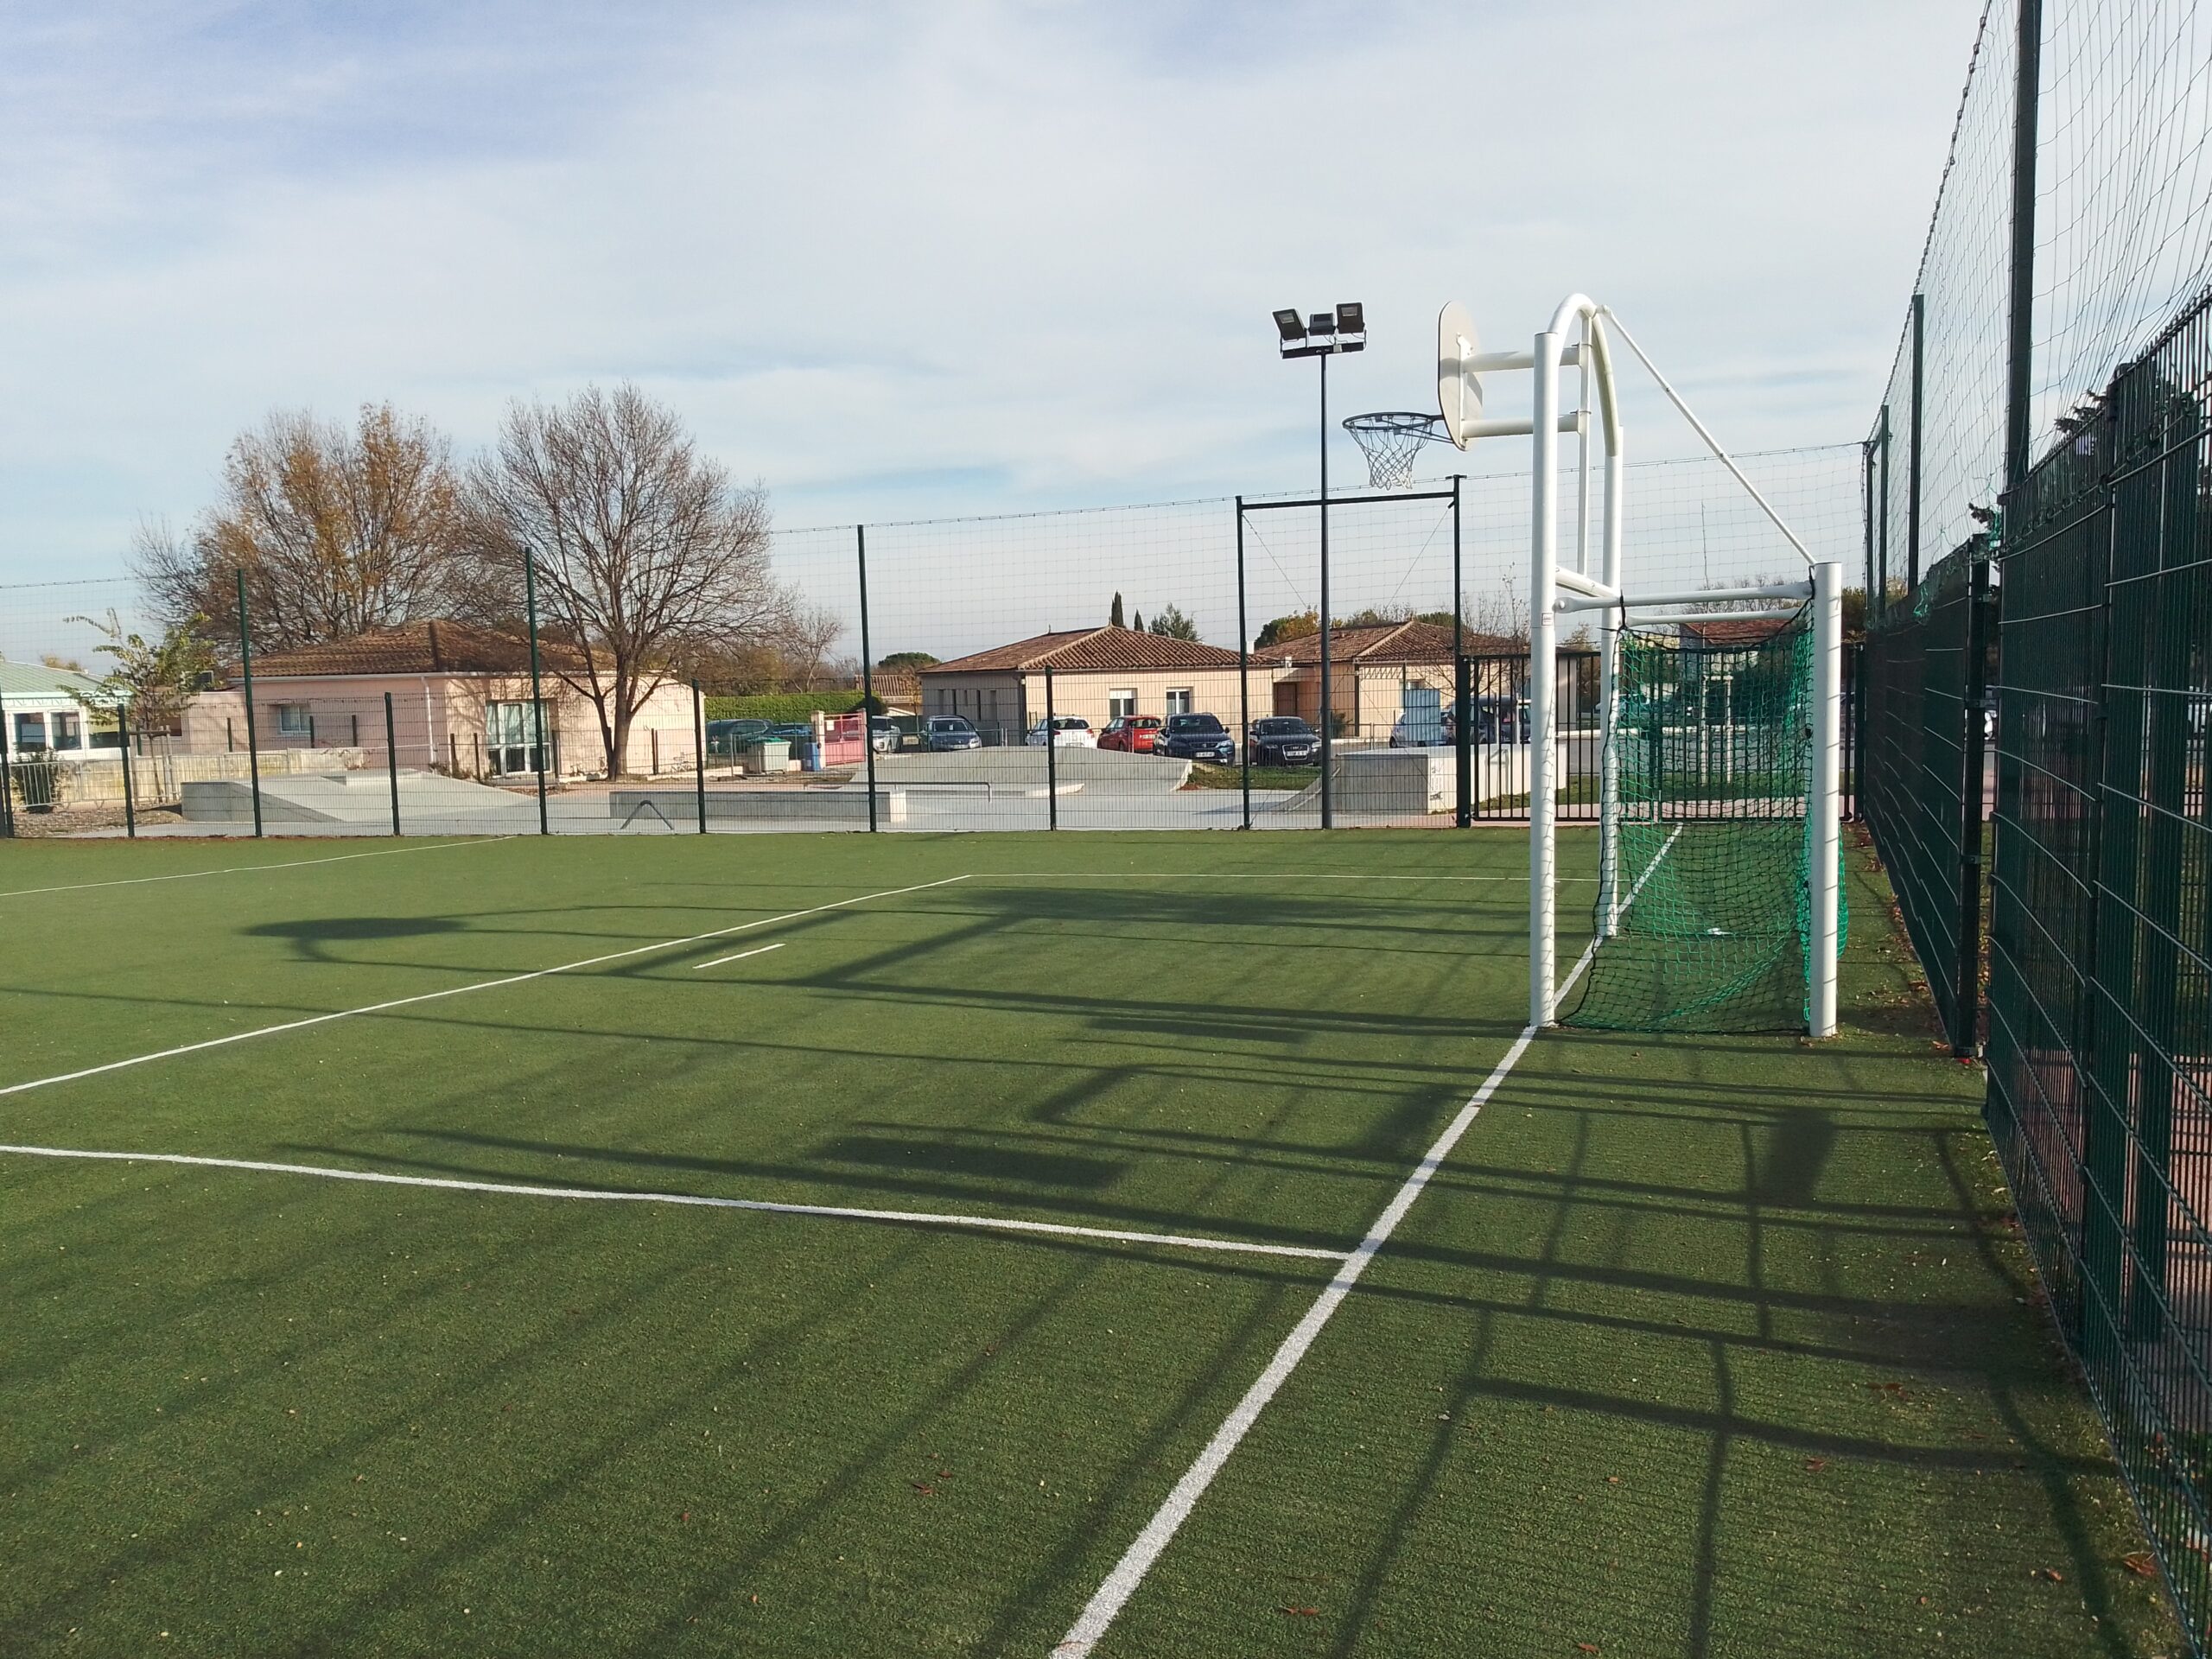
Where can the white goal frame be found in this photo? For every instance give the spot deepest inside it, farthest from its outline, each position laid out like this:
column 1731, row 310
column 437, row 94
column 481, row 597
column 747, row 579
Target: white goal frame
column 1580, row 334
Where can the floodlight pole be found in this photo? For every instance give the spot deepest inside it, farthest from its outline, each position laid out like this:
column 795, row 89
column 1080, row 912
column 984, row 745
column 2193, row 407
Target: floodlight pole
column 1328, row 710
column 252, row 741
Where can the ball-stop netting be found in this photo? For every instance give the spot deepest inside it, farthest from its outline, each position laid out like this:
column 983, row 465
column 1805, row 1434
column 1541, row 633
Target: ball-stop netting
column 1712, row 740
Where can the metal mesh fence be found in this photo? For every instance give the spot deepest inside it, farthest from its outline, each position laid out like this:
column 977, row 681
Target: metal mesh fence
column 2101, row 942
column 1927, row 774
column 1171, row 651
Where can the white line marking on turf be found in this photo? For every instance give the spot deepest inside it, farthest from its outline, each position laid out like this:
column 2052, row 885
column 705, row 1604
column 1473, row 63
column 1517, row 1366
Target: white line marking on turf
column 757, row 950
column 611, row 1195
column 249, row 869
column 462, row 990
column 1246, row 875
column 1106, row 1602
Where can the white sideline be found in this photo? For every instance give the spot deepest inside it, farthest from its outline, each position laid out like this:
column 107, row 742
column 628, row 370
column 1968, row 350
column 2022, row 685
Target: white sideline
column 249, row 869
column 614, row 1195
column 461, row 990
column 757, row 951
column 1108, row 1600
column 1248, row 876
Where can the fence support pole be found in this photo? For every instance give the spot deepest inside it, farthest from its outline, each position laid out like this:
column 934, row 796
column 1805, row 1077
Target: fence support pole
column 2019, row 339
column 6, row 781
column 1463, row 780
column 536, row 682
column 699, row 751
column 1913, row 447
column 867, row 676
column 1051, row 758
column 1825, row 802
column 391, row 760
column 1966, row 1034
column 1328, row 711
column 252, row 741
column 1244, row 673
column 129, row 808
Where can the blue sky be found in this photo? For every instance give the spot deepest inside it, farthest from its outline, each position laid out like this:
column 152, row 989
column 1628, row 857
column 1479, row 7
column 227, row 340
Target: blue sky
column 902, row 260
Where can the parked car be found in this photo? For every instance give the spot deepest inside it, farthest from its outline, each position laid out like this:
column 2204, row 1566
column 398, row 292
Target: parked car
column 1407, row 732
column 1196, row 737
column 1284, row 741
column 884, row 735
column 788, row 731
column 944, row 734
column 726, row 738
column 1131, row 734
column 1496, row 720
column 1069, row 732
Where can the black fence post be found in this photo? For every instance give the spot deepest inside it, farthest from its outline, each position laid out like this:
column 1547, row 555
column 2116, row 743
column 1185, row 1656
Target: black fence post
column 867, row 676
column 391, row 760
column 536, row 682
column 1913, row 447
column 6, row 781
column 1244, row 673
column 1965, row 1034
column 1463, row 740
column 1051, row 758
column 252, row 740
column 699, row 751
column 129, row 808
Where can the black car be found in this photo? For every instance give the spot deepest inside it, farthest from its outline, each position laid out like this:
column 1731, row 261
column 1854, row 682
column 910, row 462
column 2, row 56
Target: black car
column 1196, row 737
column 1284, row 741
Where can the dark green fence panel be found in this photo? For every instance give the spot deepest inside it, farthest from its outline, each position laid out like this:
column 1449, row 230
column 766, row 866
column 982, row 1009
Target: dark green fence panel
column 1923, row 795
column 2100, row 1000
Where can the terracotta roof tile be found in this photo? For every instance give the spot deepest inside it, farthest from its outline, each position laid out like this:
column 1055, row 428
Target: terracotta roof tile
column 427, row 647
column 1752, row 631
column 1397, row 642
column 1072, row 650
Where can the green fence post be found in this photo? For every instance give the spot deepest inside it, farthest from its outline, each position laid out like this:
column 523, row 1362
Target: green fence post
column 1244, row 673
column 391, row 760
column 537, row 684
column 1051, row 758
column 6, row 781
column 252, row 741
column 130, row 811
column 699, row 751
column 867, row 676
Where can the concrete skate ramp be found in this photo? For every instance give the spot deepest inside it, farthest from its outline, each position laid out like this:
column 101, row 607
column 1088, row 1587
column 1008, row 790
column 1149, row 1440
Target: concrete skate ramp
column 679, row 807
column 362, row 798
column 1022, row 772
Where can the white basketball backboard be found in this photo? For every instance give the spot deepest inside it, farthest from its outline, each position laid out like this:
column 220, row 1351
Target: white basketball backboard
column 1458, row 389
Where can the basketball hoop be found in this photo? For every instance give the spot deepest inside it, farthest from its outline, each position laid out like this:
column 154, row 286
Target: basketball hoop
column 1391, row 440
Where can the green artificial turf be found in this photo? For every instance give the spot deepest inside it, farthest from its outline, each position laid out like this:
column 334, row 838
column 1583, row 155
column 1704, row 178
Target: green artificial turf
column 1694, row 1346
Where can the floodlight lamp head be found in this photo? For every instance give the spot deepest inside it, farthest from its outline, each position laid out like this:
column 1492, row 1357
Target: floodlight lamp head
column 1352, row 317
column 1321, row 322
column 1289, row 326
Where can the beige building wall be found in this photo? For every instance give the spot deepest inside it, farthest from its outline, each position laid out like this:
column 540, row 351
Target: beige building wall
column 1013, row 700
column 438, row 720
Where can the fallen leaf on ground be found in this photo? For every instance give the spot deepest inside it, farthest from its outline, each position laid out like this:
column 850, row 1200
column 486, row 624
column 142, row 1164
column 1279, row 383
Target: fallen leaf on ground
column 2140, row 1564
column 1587, row 1647
column 2050, row 1573
column 1816, row 1464
column 1300, row 1612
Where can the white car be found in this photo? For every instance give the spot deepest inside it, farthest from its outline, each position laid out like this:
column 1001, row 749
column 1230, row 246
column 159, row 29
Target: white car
column 1069, row 732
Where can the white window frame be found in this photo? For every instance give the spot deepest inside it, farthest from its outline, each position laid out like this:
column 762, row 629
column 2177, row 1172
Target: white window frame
column 1180, row 700
column 1121, row 704
column 293, row 719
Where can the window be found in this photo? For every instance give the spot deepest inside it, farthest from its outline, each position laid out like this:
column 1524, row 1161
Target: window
column 1179, row 700
column 293, row 720
column 508, row 740
column 31, row 732
column 1120, row 705
column 68, row 731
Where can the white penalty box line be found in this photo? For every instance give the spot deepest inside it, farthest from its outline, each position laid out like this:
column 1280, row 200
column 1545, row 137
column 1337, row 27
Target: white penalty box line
column 697, row 1200
column 462, row 990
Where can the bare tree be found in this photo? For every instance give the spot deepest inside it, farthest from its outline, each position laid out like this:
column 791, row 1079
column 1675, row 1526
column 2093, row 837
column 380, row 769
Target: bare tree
column 337, row 530
column 647, row 557
column 1503, row 614
column 808, row 633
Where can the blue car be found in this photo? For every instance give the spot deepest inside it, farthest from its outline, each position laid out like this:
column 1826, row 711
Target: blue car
column 1196, row 737
column 944, row 734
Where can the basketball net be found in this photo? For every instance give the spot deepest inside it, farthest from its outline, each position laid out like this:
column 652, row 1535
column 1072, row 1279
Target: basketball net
column 1391, row 440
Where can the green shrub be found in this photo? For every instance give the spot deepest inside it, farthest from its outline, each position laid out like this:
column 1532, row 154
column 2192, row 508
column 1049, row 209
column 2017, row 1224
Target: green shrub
column 782, row 705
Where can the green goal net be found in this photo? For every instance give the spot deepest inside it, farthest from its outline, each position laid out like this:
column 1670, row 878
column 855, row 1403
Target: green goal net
column 1710, row 836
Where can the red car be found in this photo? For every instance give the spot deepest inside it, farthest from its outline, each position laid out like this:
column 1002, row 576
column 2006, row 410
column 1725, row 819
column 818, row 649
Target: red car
column 1132, row 733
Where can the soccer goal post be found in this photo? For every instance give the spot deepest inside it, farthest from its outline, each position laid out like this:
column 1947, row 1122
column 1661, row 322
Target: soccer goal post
column 1719, row 892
